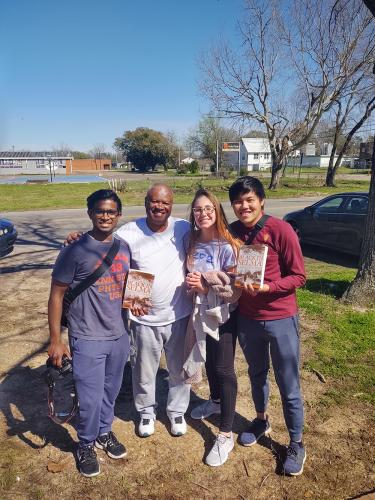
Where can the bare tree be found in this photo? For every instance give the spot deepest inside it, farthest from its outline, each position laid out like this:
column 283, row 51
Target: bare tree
column 290, row 71
column 98, row 152
column 204, row 137
column 343, row 114
column 362, row 290
column 62, row 149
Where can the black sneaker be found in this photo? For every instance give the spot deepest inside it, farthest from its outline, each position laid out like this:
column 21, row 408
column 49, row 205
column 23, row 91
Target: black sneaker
column 87, row 462
column 111, row 445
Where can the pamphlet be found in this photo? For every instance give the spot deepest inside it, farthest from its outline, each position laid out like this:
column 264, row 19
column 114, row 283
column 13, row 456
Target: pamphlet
column 138, row 289
column 251, row 265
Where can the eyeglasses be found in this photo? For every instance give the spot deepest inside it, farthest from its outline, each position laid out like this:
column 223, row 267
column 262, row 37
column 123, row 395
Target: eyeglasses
column 111, row 213
column 200, row 210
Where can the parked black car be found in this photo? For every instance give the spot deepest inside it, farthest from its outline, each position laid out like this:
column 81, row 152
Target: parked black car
column 8, row 236
column 336, row 222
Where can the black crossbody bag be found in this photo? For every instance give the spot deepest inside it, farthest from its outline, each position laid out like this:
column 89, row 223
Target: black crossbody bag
column 72, row 293
column 258, row 226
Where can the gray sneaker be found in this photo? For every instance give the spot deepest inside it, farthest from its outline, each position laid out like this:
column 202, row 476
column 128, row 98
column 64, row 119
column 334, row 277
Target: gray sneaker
column 220, row 451
column 205, row 409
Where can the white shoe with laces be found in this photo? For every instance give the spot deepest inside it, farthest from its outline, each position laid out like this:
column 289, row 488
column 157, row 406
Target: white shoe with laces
column 220, row 451
column 178, row 426
column 146, row 427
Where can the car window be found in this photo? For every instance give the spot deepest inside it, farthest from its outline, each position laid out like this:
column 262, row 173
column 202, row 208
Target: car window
column 331, row 206
column 357, row 205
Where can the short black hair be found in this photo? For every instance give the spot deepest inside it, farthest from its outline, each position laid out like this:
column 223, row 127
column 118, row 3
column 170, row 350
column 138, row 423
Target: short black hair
column 103, row 194
column 244, row 185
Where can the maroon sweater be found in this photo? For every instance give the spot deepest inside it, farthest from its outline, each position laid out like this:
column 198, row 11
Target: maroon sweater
column 285, row 271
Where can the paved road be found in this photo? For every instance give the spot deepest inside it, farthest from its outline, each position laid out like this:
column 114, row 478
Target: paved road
column 40, row 233
column 38, row 226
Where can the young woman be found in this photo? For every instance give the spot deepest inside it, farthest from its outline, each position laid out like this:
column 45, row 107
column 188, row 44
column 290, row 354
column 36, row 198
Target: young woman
column 213, row 248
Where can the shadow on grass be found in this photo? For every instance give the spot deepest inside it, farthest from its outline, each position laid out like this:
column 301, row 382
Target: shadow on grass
column 334, row 288
column 24, row 406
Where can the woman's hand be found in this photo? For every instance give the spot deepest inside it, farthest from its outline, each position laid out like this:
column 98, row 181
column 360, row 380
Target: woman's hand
column 194, row 282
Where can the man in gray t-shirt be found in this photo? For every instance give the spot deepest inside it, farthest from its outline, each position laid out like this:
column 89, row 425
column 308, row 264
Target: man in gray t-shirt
column 99, row 343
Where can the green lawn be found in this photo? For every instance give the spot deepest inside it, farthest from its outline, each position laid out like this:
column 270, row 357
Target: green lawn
column 54, row 196
column 344, row 340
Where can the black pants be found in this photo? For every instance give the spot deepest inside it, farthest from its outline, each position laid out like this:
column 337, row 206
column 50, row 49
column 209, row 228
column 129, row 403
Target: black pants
column 221, row 376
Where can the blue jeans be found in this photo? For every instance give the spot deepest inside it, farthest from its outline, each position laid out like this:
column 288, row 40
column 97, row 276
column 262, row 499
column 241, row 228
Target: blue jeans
column 98, row 367
column 280, row 338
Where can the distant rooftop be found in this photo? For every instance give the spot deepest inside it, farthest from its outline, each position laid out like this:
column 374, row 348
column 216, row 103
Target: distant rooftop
column 34, row 154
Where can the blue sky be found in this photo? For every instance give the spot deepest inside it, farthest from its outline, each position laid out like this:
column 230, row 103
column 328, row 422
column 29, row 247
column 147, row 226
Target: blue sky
column 81, row 72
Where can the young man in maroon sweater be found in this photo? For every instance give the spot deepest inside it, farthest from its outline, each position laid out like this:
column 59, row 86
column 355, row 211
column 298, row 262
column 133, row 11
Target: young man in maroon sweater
column 268, row 319
column 267, row 324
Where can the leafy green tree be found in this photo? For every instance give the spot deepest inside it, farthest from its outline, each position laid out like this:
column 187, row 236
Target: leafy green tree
column 146, row 148
column 194, row 167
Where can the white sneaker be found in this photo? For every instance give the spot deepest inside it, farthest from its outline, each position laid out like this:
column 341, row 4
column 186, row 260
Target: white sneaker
column 220, row 451
column 206, row 409
column 146, row 427
column 178, row 426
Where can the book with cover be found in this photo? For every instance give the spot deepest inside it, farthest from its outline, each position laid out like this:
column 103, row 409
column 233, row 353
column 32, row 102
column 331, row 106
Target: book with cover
column 138, row 289
column 251, row 265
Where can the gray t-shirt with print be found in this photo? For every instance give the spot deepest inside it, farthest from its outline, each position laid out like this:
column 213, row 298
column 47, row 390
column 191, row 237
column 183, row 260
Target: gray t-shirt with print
column 96, row 314
column 212, row 255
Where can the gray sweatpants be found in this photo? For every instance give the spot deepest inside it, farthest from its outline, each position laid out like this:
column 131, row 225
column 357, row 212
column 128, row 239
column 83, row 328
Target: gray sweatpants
column 147, row 343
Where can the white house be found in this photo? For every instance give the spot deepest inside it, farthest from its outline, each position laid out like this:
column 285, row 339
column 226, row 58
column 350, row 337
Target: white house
column 187, row 161
column 255, row 153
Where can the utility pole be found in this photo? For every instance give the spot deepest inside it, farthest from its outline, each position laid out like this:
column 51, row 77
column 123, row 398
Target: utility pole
column 239, row 158
column 217, row 158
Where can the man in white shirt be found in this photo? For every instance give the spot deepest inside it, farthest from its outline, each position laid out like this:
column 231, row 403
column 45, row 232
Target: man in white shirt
column 156, row 245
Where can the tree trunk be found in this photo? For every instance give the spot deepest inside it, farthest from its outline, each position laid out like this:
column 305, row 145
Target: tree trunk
column 277, row 169
column 331, row 171
column 330, row 177
column 362, row 290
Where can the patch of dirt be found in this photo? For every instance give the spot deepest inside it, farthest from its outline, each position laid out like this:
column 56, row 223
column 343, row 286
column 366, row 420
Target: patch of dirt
column 339, row 440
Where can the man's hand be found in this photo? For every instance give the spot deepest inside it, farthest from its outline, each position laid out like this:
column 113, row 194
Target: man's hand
column 248, row 287
column 140, row 309
column 194, row 282
column 72, row 237
column 56, row 351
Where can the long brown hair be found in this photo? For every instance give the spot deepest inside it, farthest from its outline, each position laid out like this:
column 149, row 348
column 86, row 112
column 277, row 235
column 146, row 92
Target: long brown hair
column 222, row 225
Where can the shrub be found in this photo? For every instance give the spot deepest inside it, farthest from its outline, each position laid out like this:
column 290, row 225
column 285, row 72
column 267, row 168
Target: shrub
column 182, row 169
column 194, row 167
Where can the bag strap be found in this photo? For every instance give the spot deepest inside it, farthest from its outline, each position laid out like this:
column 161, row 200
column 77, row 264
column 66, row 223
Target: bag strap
column 258, row 226
column 73, row 293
